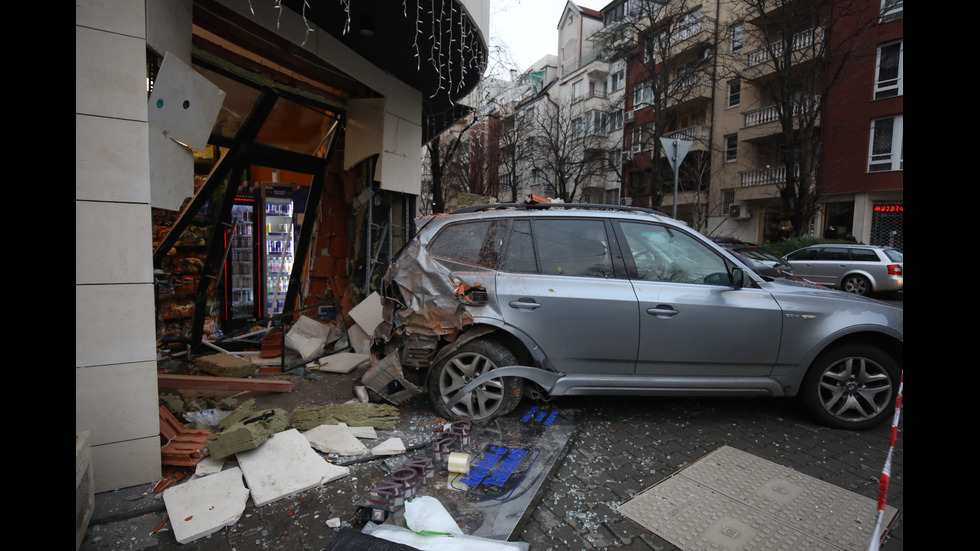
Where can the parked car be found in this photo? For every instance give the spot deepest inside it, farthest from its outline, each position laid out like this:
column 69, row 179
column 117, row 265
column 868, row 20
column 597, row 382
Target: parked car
column 762, row 261
column 858, row 269
column 488, row 305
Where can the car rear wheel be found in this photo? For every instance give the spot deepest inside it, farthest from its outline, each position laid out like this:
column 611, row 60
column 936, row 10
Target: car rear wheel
column 857, row 284
column 852, row 387
column 494, row 398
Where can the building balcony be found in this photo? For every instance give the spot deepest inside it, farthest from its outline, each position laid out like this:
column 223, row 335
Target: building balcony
column 764, row 176
column 761, row 60
column 690, row 89
column 599, row 57
column 688, row 38
column 699, row 134
column 764, row 122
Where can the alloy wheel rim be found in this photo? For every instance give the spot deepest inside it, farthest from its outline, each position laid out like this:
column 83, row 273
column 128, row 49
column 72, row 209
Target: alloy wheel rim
column 482, row 401
column 855, row 389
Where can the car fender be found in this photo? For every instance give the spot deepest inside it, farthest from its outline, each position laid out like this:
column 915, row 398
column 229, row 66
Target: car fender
column 791, row 374
column 546, row 379
column 863, row 273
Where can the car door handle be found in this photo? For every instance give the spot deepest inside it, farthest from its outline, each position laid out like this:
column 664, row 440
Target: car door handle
column 662, row 310
column 524, row 304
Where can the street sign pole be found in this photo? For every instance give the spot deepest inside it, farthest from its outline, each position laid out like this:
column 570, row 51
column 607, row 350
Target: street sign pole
column 676, row 150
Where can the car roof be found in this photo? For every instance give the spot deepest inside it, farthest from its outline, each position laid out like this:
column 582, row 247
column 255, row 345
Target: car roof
column 848, row 246
column 590, row 210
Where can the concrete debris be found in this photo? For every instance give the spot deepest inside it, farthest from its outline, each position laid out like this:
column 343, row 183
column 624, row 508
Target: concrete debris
column 225, row 365
column 336, row 439
column 203, row 506
column 308, row 337
column 391, row 446
column 342, row 362
column 283, row 465
column 379, row 416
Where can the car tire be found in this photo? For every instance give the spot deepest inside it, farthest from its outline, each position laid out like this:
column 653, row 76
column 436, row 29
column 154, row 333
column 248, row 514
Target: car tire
column 852, row 387
column 857, row 284
column 495, row 398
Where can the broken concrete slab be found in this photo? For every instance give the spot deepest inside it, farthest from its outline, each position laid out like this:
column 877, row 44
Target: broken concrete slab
column 336, row 439
column 283, row 465
column 308, row 337
column 391, row 446
column 368, row 313
column 203, row 506
column 360, row 340
column 209, row 466
column 364, row 432
column 342, row 362
column 225, row 365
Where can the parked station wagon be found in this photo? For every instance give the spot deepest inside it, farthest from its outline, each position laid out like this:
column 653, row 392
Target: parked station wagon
column 489, row 305
column 859, row 269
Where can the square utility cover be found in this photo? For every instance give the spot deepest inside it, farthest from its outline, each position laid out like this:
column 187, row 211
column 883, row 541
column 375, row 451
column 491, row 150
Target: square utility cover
column 731, row 500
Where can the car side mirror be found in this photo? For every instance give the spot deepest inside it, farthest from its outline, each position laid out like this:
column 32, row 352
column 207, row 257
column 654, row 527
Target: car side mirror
column 738, row 278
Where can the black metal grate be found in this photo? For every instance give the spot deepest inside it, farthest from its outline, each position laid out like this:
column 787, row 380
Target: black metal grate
column 887, row 226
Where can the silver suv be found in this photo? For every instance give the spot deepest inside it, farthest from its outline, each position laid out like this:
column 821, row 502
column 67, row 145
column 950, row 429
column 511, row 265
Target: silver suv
column 491, row 304
column 858, row 269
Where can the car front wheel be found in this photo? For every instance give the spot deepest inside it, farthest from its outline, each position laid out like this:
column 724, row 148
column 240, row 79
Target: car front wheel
column 493, row 398
column 859, row 285
column 852, row 387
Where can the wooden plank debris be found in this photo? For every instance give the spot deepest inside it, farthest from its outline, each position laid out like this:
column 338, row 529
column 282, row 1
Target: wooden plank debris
column 166, row 380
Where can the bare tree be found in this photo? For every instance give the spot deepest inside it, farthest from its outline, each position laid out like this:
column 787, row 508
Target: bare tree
column 567, row 146
column 669, row 66
column 796, row 52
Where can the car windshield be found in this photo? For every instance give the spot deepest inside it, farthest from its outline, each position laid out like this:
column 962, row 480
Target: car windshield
column 894, row 255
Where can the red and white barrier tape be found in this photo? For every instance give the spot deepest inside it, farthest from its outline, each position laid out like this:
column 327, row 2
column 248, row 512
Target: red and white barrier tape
column 886, row 472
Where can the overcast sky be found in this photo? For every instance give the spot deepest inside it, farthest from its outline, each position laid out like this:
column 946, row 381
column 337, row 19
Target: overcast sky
column 529, row 28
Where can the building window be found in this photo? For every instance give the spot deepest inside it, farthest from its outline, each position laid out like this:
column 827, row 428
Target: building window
column 638, row 142
column 615, row 120
column 617, row 80
column 738, row 36
column 577, row 128
column 887, row 147
column 615, row 158
column 888, row 78
column 891, row 9
column 734, row 92
column 576, row 90
column 642, row 94
column 731, row 148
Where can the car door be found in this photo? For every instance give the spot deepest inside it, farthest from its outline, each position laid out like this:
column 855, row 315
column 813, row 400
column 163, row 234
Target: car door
column 559, row 284
column 829, row 265
column 693, row 322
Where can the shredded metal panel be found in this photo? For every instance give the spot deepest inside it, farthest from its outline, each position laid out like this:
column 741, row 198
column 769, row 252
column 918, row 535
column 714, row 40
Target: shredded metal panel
column 732, row 500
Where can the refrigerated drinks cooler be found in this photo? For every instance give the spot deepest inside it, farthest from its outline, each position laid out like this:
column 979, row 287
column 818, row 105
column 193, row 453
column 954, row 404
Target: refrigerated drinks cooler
column 260, row 257
column 277, row 246
column 240, row 269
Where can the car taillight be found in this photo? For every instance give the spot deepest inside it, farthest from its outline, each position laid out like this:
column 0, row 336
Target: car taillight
column 895, row 269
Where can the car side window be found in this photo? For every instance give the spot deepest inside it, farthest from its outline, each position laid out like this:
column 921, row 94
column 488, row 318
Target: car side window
column 803, row 254
column 475, row 242
column 572, row 247
column 664, row 254
column 519, row 256
column 834, row 253
column 864, row 255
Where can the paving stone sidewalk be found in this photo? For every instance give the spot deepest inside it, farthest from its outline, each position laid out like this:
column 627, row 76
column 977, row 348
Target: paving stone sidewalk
column 622, row 447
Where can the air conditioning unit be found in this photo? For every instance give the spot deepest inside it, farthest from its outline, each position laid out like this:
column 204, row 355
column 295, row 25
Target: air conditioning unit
column 626, row 201
column 739, row 211
column 628, row 116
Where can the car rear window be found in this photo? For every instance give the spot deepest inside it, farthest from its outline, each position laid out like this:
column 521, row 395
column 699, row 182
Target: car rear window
column 894, row 255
